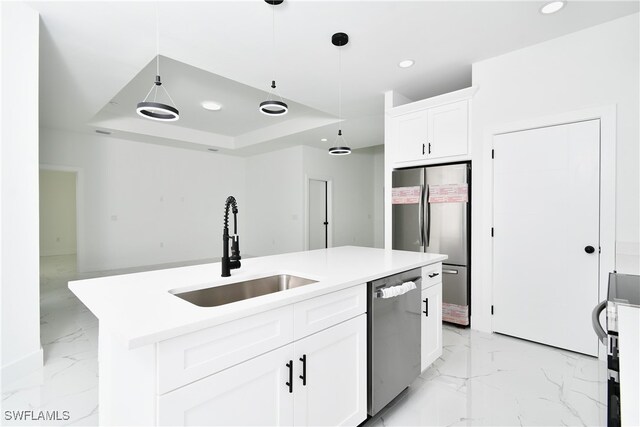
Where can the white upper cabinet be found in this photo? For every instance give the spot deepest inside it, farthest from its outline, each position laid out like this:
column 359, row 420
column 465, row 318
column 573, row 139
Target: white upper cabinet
column 447, row 130
column 430, row 131
column 411, row 135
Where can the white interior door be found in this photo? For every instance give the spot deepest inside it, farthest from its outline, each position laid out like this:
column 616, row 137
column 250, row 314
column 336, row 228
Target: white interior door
column 546, row 215
column 318, row 232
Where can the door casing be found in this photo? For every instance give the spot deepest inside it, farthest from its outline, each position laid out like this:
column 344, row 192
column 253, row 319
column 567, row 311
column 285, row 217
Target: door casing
column 307, row 180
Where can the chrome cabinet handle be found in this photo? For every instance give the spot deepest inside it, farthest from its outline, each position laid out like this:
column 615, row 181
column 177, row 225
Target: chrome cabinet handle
column 450, row 271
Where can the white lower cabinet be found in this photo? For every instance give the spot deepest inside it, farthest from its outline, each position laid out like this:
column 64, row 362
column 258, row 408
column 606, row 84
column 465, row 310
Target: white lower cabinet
column 251, row 393
column 431, row 327
column 335, row 389
column 318, row 380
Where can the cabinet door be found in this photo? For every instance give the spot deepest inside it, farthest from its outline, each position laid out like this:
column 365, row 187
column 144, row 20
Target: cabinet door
column 334, row 392
column 447, row 130
column 251, row 393
column 431, row 325
column 411, row 136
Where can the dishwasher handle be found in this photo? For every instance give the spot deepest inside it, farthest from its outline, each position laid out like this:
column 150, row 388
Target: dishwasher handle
column 378, row 291
column 595, row 321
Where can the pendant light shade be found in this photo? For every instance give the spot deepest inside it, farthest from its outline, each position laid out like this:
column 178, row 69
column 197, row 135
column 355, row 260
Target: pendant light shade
column 273, row 106
column 340, row 147
column 152, row 108
column 156, row 110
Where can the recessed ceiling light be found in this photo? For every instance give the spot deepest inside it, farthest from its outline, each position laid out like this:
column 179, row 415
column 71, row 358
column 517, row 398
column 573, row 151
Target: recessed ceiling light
column 552, row 7
column 211, row 106
column 324, row 140
column 406, row 63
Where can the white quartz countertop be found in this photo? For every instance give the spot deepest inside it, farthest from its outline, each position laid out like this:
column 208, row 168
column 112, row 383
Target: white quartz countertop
column 140, row 309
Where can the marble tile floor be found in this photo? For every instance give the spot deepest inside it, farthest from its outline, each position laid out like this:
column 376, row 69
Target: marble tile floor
column 481, row 379
column 495, row 380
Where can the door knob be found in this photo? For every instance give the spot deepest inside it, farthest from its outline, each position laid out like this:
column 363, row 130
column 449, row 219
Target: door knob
column 589, row 249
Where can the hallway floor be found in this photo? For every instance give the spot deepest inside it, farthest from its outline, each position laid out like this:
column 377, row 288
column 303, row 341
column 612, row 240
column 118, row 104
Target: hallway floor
column 481, row 379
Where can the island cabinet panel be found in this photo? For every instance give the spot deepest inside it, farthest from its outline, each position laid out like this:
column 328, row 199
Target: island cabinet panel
column 319, row 380
column 193, row 356
column 334, row 392
column 249, row 394
column 431, row 326
column 319, row 313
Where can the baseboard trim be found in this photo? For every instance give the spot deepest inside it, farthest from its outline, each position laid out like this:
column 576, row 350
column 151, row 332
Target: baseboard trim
column 23, row 367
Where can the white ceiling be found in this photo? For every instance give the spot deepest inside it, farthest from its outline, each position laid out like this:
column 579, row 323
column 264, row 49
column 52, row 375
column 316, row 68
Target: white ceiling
column 97, row 52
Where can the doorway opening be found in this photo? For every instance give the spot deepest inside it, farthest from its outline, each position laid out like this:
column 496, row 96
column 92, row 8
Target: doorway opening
column 58, row 220
column 318, row 208
column 58, row 249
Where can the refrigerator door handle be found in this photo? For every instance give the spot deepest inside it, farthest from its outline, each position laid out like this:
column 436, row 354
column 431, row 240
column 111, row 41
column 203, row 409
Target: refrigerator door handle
column 421, row 215
column 428, row 216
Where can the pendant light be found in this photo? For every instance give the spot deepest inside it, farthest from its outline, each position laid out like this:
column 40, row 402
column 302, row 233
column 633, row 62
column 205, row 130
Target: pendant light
column 340, row 147
column 152, row 109
column 273, row 107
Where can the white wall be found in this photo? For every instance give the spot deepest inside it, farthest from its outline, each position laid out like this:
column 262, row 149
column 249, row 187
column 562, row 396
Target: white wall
column 19, row 261
column 272, row 213
column 276, row 188
column 352, row 180
column 591, row 68
column 378, row 196
column 57, row 213
column 144, row 204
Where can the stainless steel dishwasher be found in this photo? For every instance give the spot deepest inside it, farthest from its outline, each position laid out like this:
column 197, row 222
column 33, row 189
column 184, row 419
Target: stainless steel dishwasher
column 393, row 338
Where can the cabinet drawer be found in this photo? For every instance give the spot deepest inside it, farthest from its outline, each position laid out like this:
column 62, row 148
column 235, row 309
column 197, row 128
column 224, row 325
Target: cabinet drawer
column 319, row 313
column 190, row 357
column 431, row 275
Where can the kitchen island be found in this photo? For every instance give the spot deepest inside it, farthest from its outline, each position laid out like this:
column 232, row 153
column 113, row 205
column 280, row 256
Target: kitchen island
column 164, row 360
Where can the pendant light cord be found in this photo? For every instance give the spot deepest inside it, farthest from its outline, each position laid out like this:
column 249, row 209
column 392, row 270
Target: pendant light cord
column 273, row 41
column 155, row 86
column 157, row 41
column 273, row 53
column 339, row 87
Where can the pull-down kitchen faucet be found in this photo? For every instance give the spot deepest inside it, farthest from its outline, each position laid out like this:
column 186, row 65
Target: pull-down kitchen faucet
column 230, row 262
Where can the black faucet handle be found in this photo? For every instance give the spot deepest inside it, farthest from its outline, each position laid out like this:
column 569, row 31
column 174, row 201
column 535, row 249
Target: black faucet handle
column 235, row 248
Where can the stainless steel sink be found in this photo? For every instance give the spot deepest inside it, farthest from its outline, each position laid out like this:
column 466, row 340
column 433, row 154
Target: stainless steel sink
column 220, row 295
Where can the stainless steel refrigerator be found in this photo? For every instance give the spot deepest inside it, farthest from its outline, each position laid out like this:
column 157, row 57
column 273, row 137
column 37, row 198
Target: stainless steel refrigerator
column 431, row 212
